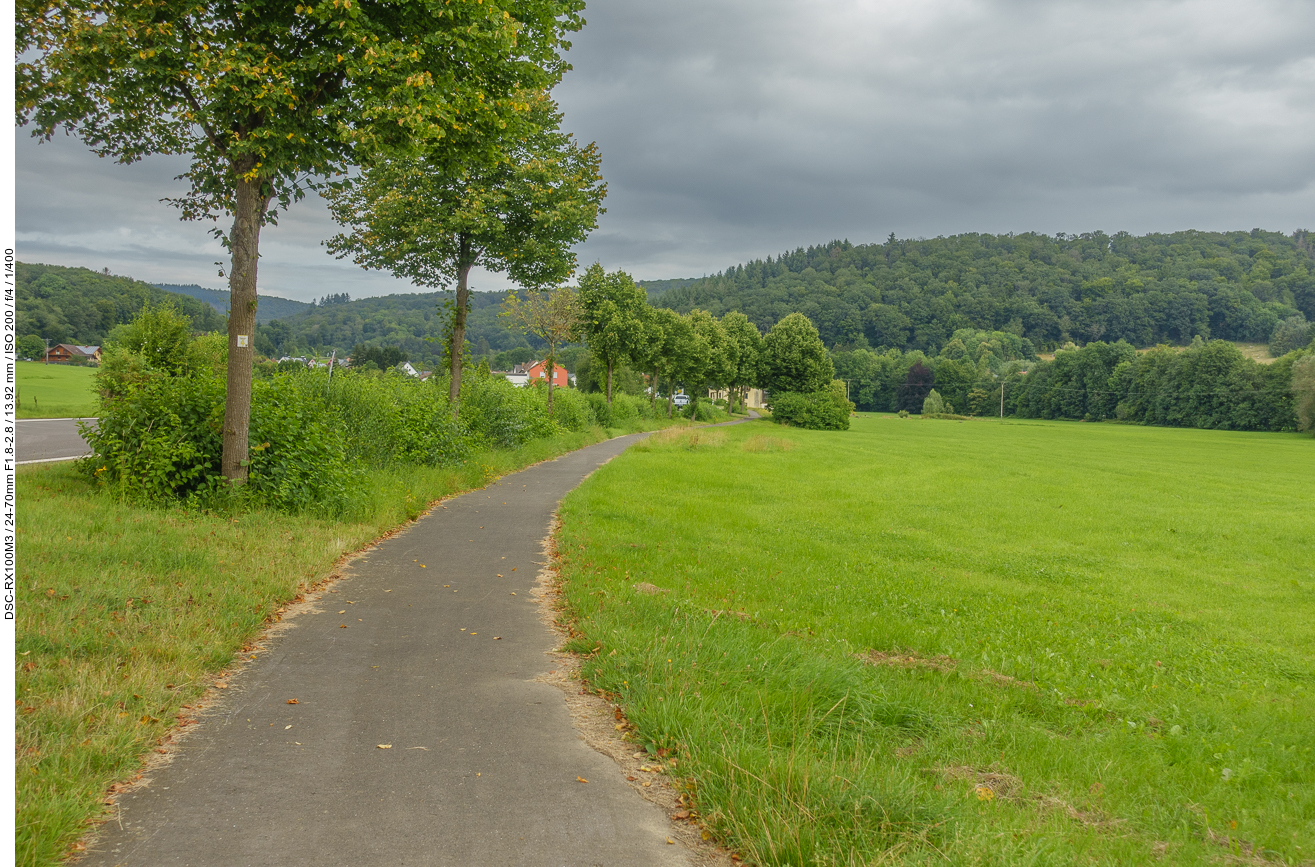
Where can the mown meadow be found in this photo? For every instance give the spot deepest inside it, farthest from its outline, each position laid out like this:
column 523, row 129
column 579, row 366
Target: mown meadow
column 928, row 641
column 54, row 390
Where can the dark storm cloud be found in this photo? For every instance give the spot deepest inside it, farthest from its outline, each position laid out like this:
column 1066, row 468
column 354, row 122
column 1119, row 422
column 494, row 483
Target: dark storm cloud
column 737, row 129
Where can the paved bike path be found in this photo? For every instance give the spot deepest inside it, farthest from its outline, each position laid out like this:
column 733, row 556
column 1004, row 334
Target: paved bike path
column 434, row 654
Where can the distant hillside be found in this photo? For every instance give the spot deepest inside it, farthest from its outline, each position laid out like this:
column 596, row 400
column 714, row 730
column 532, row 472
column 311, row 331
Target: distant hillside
column 656, row 288
column 914, row 294
column 268, row 307
column 413, row 322
column 77, row 305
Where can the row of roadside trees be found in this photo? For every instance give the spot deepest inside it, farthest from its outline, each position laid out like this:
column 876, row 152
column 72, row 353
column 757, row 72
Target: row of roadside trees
column 695, row 351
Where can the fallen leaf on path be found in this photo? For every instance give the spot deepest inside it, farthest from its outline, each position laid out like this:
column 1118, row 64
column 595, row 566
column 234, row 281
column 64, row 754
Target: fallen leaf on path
column 497, row 638
column 342, row 625
column 285, row 728
column 293, row 701
column 582, row 779
column 683, row 814
column 426, row 749
column 670, row 842
column 384, row 746
column 344, row 611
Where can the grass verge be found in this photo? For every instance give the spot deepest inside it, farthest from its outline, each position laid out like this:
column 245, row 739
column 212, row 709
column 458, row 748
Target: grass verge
column 127, row 614
column 963, row 642
column 54, row 390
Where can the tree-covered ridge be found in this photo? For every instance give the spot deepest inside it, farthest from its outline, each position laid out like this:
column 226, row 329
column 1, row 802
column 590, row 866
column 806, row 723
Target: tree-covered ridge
column 907, row 294
column 268, row 307
column 77, row 305
column 412, row 322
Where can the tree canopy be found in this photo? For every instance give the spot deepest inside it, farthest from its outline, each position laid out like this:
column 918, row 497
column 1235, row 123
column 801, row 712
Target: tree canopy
column 433, row 221
column 612, row 317
column 793, row 358
column 268, row 98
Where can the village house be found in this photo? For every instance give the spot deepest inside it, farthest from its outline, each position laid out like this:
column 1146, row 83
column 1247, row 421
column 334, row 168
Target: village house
column 70, row 353
column 754, row 399
column 524, row 374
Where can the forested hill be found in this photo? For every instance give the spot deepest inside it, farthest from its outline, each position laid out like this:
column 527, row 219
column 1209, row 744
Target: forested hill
column 413, row 322
column 268, row 307
column 914, row 294
column 77, row 305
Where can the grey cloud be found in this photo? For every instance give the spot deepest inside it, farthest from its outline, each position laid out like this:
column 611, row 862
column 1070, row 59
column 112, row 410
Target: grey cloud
column 738, row 129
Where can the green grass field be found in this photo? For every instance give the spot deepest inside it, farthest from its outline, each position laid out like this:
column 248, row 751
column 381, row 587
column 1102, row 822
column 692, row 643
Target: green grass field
column 54, row 390
column 925, row 641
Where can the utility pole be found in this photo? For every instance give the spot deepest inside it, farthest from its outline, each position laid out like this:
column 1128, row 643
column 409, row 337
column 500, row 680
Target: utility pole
column 1002, row 400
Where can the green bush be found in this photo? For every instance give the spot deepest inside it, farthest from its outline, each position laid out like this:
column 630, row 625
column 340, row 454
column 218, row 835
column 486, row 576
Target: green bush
column 819, row 410
column 312, row 435
column 571, row 409
column 501, row 415
column 934, row 404
column 598, row 406
column 627, row 407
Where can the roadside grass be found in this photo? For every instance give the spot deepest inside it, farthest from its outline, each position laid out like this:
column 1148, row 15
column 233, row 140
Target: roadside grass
column 926, row 641
column 54, row 390
column 128, row 613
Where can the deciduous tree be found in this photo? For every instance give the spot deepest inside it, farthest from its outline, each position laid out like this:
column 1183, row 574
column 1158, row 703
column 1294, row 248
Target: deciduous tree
column 552, row 316
column 267, row 97
column 613, row 317
column 748, row 343
column 793, row 357
column 432, row 221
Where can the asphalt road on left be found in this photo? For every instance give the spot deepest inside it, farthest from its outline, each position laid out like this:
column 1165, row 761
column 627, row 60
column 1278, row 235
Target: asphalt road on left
column 50, row 439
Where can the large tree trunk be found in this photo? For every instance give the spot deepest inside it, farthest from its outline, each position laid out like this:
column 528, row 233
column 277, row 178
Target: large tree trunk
column 457, row 349
column 244, row 243
column 609, row 382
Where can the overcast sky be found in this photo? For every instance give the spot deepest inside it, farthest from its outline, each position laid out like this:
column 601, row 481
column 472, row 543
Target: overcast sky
column 735, row 129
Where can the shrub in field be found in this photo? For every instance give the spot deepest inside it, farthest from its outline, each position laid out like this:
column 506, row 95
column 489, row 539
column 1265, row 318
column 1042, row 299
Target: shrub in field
column 819, row 410
column 933, row 404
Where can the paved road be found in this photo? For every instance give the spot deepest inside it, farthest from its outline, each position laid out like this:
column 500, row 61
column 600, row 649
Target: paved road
column 438, row 659
column 49, row 439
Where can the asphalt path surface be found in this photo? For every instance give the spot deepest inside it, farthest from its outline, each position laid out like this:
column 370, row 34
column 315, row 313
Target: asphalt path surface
column 430, row 647
column 50, row 439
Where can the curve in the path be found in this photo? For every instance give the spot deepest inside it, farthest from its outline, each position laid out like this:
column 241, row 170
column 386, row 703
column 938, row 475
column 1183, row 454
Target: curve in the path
column 419, row 736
